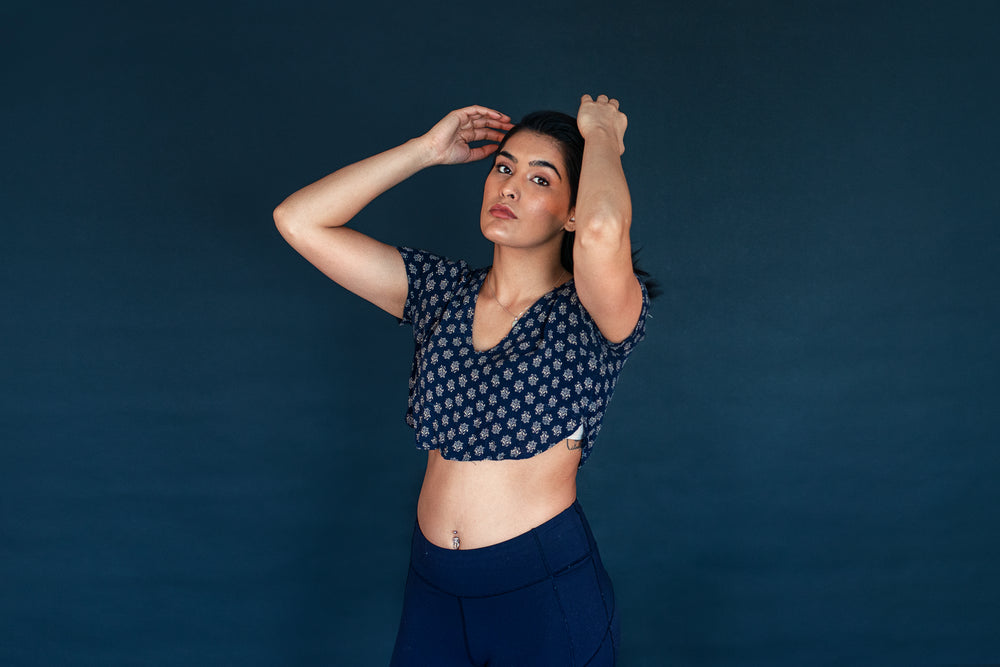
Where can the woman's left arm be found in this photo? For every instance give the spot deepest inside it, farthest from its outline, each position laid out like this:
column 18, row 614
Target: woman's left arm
column 602, row 251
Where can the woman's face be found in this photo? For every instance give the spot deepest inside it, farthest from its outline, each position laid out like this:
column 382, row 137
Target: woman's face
column 526, row 197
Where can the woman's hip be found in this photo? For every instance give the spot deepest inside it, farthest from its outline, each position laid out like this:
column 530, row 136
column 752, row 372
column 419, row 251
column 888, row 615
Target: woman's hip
column 542, row 552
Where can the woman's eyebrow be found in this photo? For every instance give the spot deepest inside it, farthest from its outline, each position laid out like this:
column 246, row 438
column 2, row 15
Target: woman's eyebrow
column 543, row 163
column 533, row 163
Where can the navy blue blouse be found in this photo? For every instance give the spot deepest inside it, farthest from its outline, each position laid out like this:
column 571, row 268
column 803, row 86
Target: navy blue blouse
column 551, row 373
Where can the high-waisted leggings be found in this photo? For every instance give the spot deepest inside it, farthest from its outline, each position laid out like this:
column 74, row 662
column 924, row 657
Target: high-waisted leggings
column 541, row 598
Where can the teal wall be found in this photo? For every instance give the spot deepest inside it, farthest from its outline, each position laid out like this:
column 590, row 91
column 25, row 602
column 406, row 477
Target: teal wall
column 203, row 459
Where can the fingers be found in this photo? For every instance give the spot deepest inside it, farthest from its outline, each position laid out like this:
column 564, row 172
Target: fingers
column 601, row 99
column 481, row 134
column 488, row 122
column 476, row 113
column 473, row 126
column 476, row 123
column 489, row 134
column 480, row 152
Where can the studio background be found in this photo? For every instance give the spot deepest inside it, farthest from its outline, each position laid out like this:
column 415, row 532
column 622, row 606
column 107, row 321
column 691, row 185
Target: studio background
column 203, row 458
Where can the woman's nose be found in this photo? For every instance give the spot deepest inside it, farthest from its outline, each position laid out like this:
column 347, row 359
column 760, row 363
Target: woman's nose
column 507, row 190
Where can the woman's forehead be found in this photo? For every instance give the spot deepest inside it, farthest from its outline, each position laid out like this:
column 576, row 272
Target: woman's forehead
column 528, row 145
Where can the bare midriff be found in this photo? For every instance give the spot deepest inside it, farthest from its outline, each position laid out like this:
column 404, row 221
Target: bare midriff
column 475, row 504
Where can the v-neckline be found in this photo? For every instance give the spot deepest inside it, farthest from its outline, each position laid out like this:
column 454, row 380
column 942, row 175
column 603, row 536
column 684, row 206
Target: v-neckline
column 517, row 321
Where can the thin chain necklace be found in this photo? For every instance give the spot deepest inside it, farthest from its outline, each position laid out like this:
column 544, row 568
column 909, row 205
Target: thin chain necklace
column 506, row 309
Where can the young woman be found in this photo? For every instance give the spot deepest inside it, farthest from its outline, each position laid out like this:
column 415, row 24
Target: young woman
column 513, row 369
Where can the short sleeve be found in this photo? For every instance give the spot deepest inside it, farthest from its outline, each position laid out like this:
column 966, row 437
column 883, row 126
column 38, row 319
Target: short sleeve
column 624, row 348
column 431, row 283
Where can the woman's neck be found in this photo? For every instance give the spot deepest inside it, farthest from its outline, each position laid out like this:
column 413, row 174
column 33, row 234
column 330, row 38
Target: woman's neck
column 518, row 276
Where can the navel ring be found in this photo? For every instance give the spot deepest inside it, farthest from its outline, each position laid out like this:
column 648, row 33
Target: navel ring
column 455, row 542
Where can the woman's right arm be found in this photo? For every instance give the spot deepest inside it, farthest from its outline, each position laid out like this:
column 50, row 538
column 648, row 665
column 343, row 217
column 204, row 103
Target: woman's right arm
column 312, row 220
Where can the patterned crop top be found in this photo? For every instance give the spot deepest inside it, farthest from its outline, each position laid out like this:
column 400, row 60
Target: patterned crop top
column 551, row 374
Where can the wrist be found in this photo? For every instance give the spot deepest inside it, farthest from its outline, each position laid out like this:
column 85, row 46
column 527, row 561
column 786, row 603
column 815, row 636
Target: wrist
column 600, row 133
column 422, row 152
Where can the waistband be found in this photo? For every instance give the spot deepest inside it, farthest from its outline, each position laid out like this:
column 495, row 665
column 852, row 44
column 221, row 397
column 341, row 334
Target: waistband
column 554, row 546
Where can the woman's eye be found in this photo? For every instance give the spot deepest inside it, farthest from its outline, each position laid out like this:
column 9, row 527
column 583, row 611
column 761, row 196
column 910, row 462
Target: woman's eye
column 503, row 169
column 540, row 180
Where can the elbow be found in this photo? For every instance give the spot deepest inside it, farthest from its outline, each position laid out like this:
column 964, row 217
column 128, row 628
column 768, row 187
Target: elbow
column 283, row 219
column 604, row 230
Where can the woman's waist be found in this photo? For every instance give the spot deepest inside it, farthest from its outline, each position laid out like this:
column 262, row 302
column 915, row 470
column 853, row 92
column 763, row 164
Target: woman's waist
column 562, row 542
column 470, row 505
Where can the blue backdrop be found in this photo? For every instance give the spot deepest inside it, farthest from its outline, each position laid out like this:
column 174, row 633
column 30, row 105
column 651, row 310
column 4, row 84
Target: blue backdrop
column 203, row 456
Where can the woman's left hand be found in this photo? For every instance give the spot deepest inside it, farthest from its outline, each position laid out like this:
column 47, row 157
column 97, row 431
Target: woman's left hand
column 602, row 115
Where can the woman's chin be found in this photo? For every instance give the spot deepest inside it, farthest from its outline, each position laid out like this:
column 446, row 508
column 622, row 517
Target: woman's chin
column 496, row 231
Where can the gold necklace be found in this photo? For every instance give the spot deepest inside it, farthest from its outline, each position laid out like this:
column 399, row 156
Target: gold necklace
column 518, row 316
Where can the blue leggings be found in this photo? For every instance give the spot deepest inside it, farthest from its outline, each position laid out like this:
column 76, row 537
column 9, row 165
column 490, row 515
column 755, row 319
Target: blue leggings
column 541, row 598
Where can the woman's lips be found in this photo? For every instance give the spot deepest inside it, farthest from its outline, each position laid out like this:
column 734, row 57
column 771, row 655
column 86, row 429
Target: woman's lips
column 501, row 211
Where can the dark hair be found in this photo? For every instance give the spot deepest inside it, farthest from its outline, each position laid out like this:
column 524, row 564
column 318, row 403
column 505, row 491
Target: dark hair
column 563, row 128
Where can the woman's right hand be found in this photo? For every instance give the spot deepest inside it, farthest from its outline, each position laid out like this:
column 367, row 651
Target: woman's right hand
column 448, row 141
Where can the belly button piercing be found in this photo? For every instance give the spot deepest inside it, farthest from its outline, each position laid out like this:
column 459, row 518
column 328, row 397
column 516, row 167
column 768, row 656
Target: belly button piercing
column 455, row 542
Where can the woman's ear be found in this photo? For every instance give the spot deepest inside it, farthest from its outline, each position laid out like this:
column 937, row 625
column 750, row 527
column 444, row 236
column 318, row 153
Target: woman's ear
column 570, row 225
